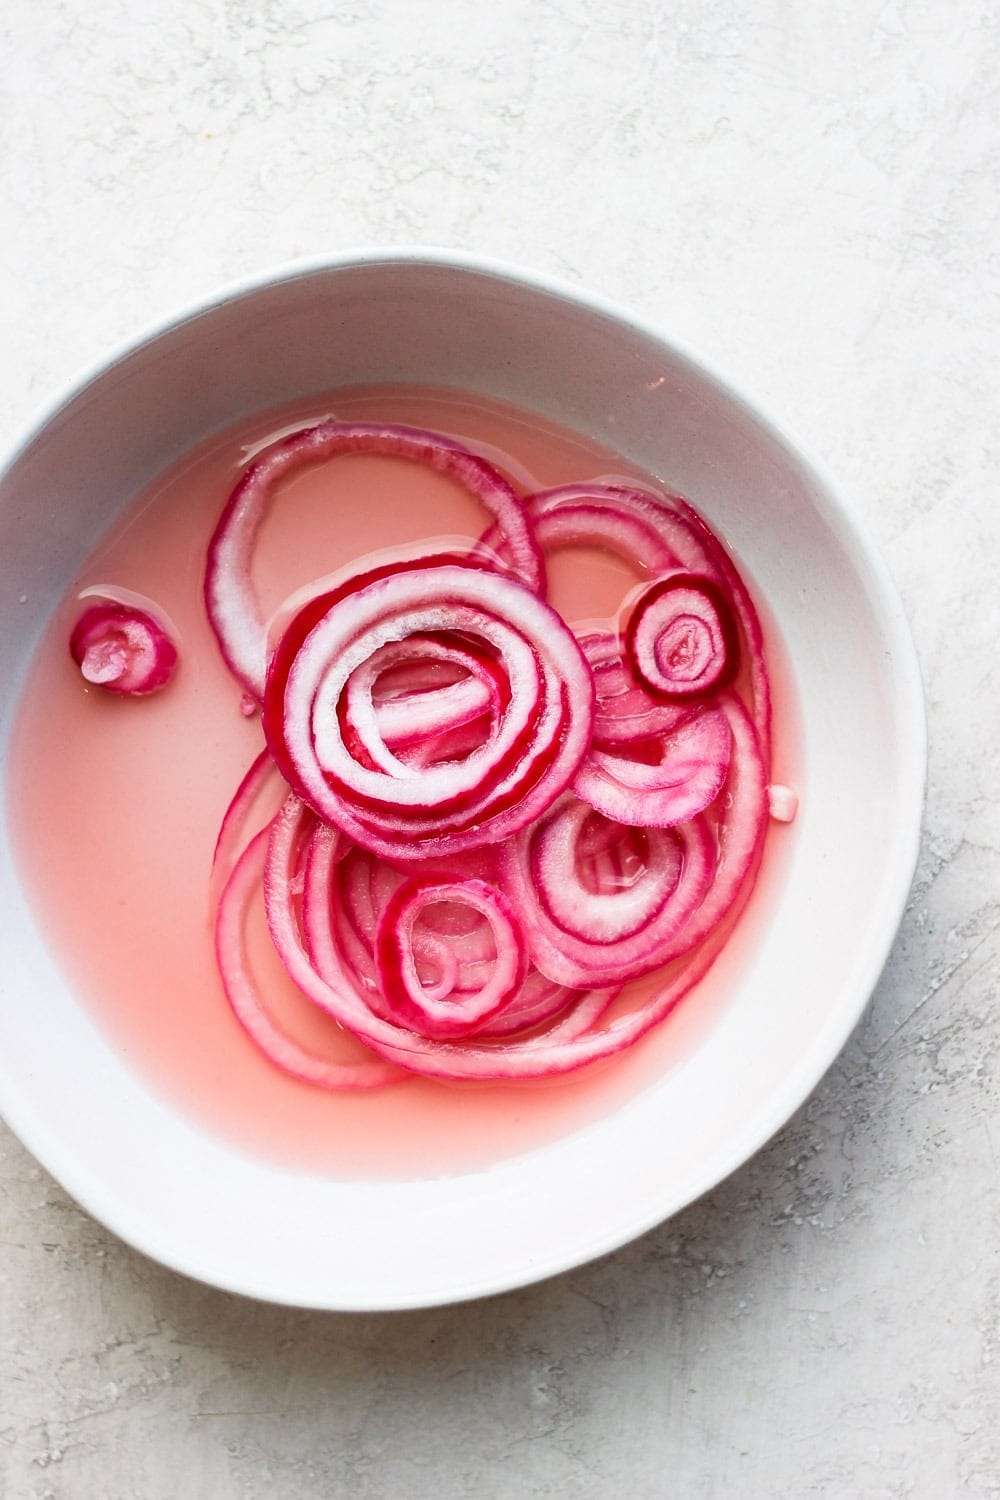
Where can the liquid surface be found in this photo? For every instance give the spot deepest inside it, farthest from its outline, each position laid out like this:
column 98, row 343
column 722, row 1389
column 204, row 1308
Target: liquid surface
column 115, row 804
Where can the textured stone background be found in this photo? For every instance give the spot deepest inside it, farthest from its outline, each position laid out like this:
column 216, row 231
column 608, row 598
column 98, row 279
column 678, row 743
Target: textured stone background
column 809, row 193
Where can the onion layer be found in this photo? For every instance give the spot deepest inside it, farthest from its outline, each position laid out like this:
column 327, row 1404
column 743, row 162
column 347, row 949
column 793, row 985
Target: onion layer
column 327, row 737
column 122, row 649
column 661, row 782
column 249, row 1006
column 490, row 826
column 584, row 931
column 443, row 1010
column 681, row 640
column 229, row 596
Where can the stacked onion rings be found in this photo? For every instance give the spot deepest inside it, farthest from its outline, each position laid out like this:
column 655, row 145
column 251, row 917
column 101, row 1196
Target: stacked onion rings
column 489, row 824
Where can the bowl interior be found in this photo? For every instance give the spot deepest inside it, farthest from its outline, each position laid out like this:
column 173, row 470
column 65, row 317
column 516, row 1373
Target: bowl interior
column 193, row 1202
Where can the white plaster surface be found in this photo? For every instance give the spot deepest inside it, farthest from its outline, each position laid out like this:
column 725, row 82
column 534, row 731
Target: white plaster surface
column 808, row 192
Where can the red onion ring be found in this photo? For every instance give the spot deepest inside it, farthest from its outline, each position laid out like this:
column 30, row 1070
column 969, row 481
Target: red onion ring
column 428, row 707
column 684, row 775
column 243, row 801
column 569, row 1044
column 123, row 650
column 449, row 1014
column 229, row 596
column 681, row 641
column 407, row 811
column 625, row 521
column 580, row 936
column 418, row 717
column 249, row 1007
column 493, row 825
column 624, row 711
column 656, row 532
column 346, row 890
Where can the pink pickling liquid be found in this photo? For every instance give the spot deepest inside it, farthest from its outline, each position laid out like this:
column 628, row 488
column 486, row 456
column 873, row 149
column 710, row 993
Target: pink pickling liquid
column 115, row 804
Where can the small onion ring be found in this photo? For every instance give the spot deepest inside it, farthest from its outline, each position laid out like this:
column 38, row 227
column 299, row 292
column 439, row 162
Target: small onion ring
column 656, row 532
column 345, row 890
column 580, row 937
column 407, row 811
column 687, row 775
column 624, row 710
column 681, row 641
column 571, row 1043
column 436, row 1015
column 122, row 649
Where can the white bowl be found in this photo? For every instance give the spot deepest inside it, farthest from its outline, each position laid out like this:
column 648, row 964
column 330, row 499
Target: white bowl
column 181, row 1195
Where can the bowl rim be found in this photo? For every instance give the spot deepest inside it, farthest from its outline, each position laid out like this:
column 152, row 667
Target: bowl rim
column 910, row 790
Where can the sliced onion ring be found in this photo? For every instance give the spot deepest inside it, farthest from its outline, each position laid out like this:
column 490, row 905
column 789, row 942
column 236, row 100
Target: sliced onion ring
column 567, row 1045
column 683, row 774
column 680, row 640
column 229, row 595
column 249, row 1006
column 582, row 937
column 122, row 649
column 408, row 811
column 493, row 825
column 345, row 892
column 656, row 531
column 446, row 1015
column 624, row 710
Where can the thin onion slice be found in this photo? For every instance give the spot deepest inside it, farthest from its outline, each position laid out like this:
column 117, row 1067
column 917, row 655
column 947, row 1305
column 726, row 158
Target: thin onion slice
column 655, row 531
column 446, row 1013
column 681, row 641
column 430, row 707
column 622, row 520
column 582, row 936
column 419, row 716
column 682, row 774
column 249, row 1006
column 493, row 824
column 624, row 710
column 232, row 605
column 567, row 1045
column 122, row 649
column 248, row 793
column 406, row 810
column 347, row 890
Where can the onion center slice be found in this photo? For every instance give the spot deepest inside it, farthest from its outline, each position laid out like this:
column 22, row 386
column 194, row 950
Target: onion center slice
column 123, row 650
column 681, row 640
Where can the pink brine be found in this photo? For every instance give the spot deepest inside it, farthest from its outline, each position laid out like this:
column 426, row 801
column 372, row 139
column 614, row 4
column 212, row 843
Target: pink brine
column 507, row 717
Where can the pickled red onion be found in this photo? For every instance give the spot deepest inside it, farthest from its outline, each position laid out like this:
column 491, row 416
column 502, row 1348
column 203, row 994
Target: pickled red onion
column 229, row 596
column 681, row 641
column 122, row 649
column 449, row 1012
column 406, row 811
column 493, row 825
column 250, row 1007
column 661, row 782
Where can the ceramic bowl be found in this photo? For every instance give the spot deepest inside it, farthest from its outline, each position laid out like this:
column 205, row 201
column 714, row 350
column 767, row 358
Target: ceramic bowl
column 813, row 952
